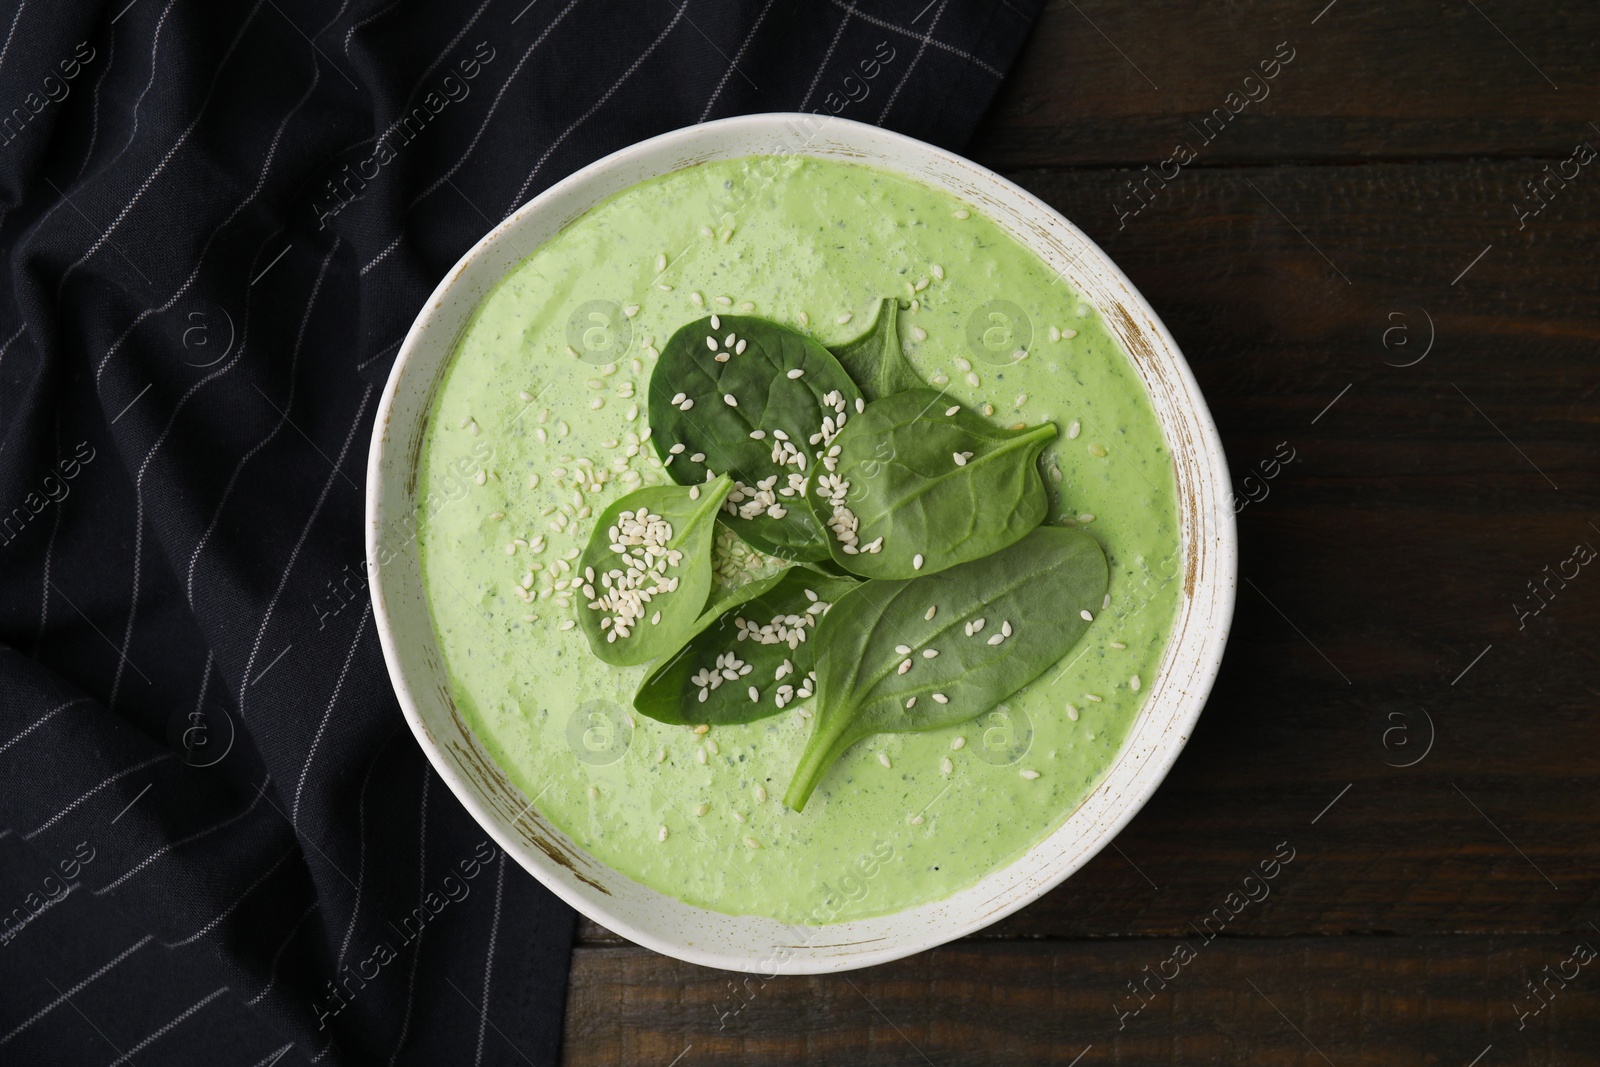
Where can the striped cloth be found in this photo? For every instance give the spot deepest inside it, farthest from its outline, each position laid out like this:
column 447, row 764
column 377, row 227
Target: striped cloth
column 218, row 842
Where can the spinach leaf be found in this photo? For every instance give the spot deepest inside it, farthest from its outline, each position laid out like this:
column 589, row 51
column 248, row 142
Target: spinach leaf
column 873, row 672
column 874, row 359
column 763, row 641
column 647, row 570
column 757, row 401
column 920, row 484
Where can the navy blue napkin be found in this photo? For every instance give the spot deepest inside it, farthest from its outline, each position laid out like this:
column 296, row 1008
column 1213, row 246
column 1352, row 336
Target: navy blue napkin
column 219, row 844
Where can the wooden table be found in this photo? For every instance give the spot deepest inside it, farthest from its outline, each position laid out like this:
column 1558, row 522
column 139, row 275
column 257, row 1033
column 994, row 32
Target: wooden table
column 1345, row 266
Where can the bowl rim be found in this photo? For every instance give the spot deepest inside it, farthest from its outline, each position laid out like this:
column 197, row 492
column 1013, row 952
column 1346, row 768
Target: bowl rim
column 1207, row 533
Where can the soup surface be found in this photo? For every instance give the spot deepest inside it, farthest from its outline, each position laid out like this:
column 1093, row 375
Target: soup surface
column 541, row 422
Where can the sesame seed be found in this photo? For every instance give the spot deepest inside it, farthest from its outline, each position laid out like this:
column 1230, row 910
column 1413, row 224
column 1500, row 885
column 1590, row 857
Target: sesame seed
column 701, row 810
column 1068, row 334
column 686, row 405
column 750, row 842
column 738, row 816
column 1092, row 698
column 997, row 638
column 911, row 703
column 958, row 744
column 1030, row 775
column 933, row 610
column 631, row 310
column 1086, row 517
column 805, row 320
column 702, row 729
column 952, row 409
column 937, row 271
column 883, row 758
column 902, row 649
column 697, row 299
column 1134, row 683
column 700, row 753
column 573, row 352
column 1005, row 628
column 761, row 794
column 918, row 333
column 1097, row 450
column 661, row 262
column 916, row 562
column 973, row 379
column 940, row 698
column 988, row 410
column 797, row 372
column 730, row 400
column 1085, row 615
column 905, row 665
column 945, row 766
column 1022, row 398
column 1106, row 602
column 1075, row 429
column 976, row 626
column 594, row 792
column 1118, row 644
column 842, row 319
column 755, row 694
column 960, row 213
column 661, row 755
column 711, row 746
column 961, row 460
column 661, row 835
column 929, row 653
column 699, row 457
column 1072, row 712
column 569, row 624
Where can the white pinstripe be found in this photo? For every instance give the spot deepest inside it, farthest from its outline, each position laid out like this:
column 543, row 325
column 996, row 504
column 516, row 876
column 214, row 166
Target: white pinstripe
column 62, row 999
column 127, row 1056
column 183, row 138
column 172, row 845
column 251, row 888
column 5, row 347
column 422, row 891
column 283, row 580
column 476, row 136
column 338, row 687
column 488, row 959
column 369, row 19
column 921, row 48
column 288, row 404
column 94, row 109
column 275, row 1055
column 743, row 47
column 272, row 971
column 49, row 546
column 361, row 848
column 597, row 105
column 138, row 483
column 14, row 20
column 58, row 816
column 272, row 152
column 940, row 45
column 826, row 58
column 40, row 721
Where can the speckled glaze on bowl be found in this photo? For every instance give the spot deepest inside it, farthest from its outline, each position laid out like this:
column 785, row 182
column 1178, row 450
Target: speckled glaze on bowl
column 745, row 943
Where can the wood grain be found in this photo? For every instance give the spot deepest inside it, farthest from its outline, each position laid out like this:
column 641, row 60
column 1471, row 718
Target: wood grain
column 1373, row 199
column 1295, row 1001
column 1102, row 83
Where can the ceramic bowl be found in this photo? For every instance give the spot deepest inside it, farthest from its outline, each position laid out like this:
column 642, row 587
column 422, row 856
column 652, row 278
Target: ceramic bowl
column 744, row 943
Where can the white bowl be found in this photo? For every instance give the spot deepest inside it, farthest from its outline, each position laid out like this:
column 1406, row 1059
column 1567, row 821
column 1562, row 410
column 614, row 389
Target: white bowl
column 746, row 943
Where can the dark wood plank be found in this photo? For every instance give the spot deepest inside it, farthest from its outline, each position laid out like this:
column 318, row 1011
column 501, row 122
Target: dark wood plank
column 1104, row 83
column 1370, row 1001
column 1397, row 542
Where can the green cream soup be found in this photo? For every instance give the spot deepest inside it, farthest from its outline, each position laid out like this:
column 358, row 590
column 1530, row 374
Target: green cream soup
column 541, row 423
